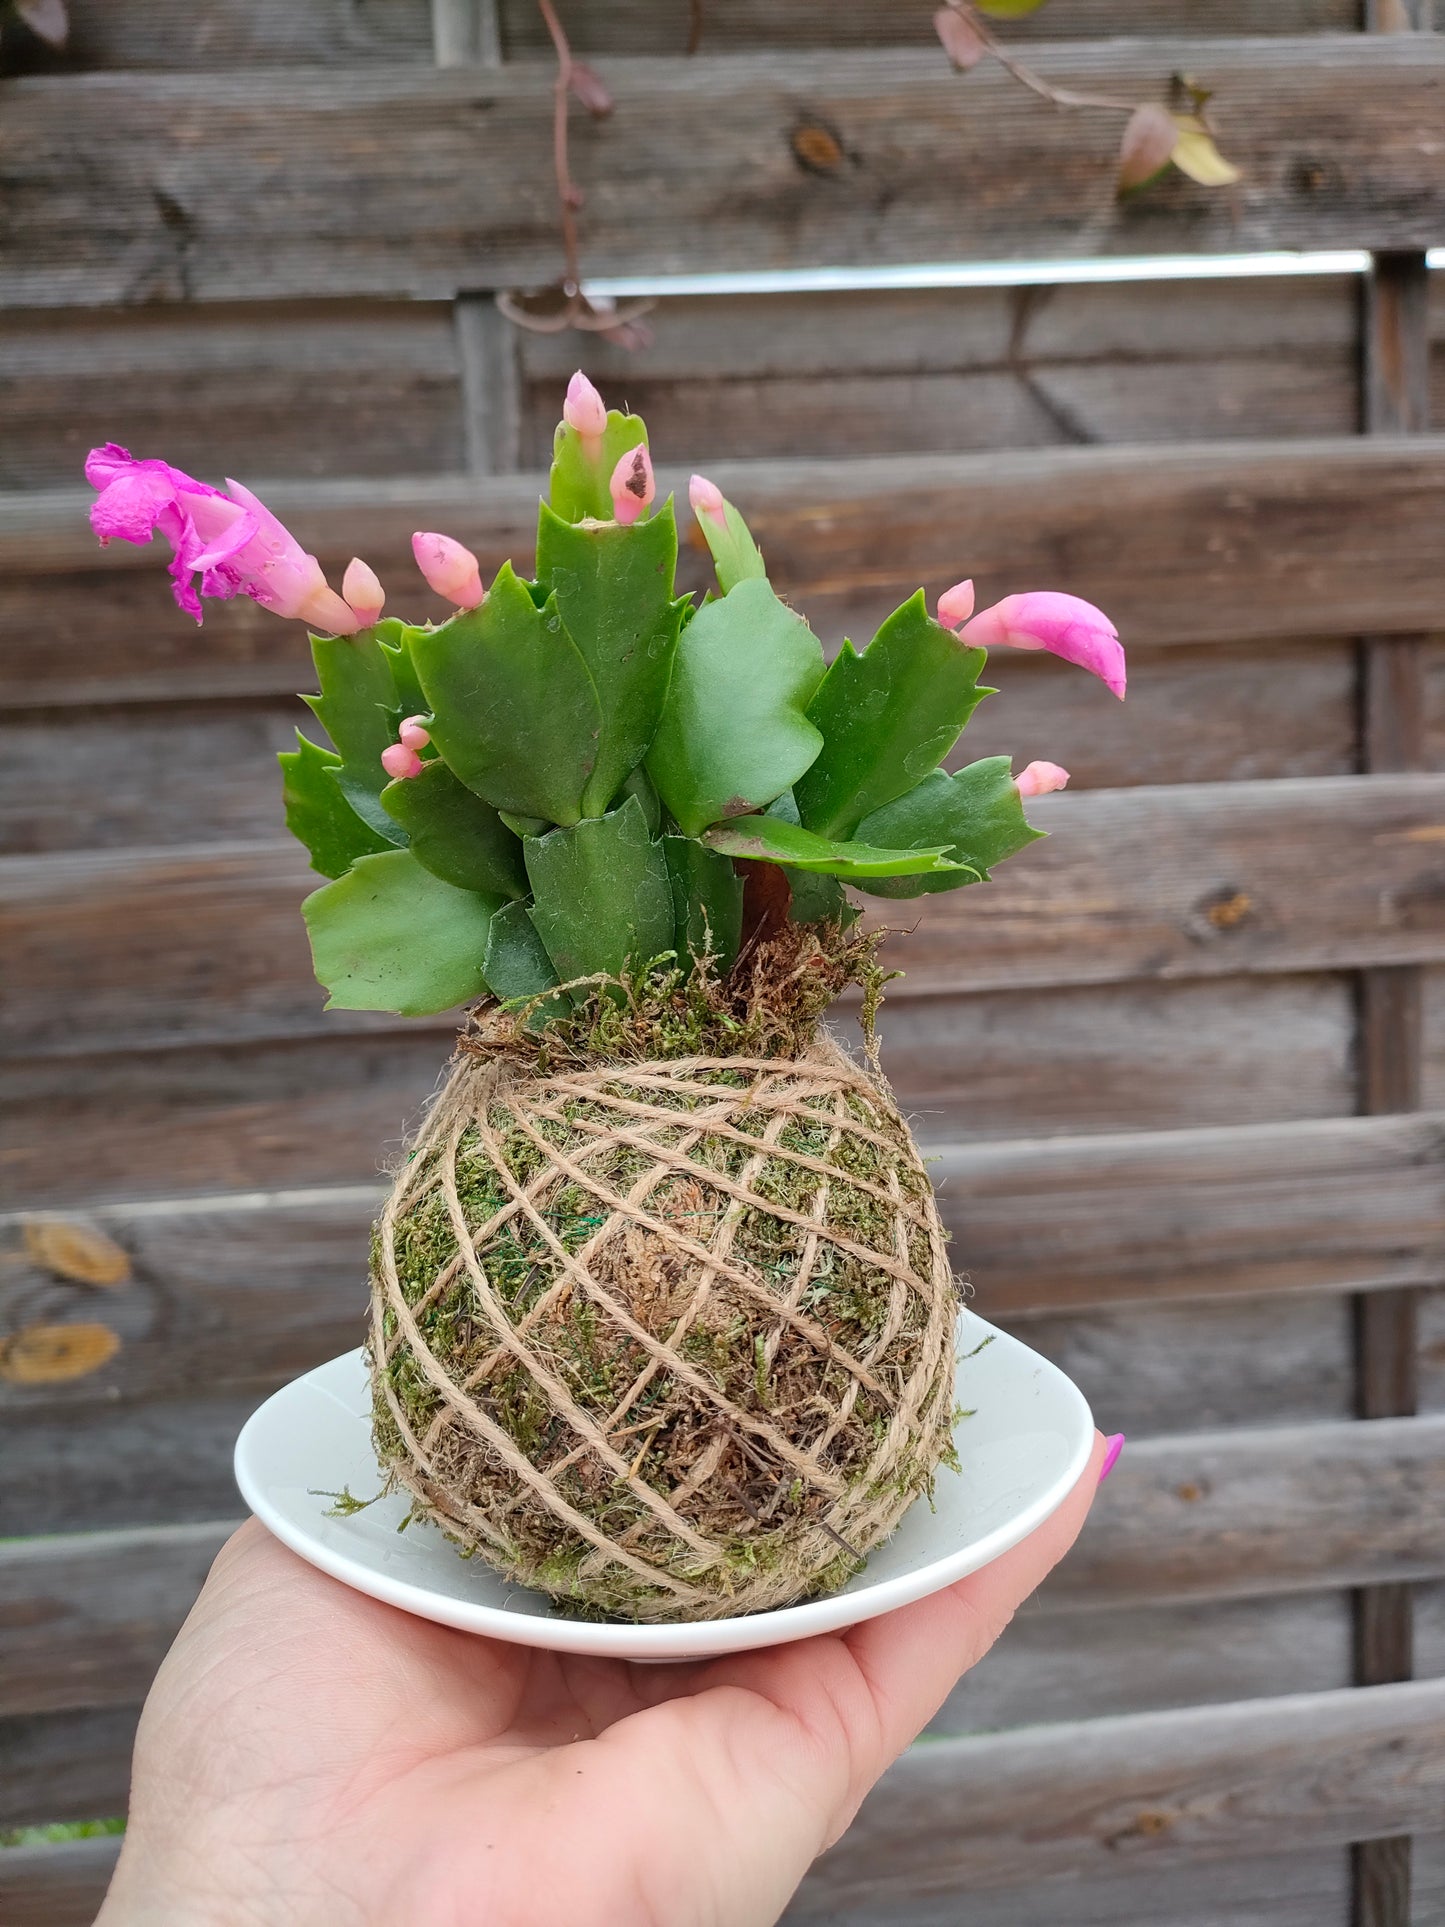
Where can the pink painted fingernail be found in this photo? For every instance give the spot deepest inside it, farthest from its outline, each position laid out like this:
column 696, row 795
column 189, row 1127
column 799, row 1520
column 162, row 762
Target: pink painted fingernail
column 1113, row 1446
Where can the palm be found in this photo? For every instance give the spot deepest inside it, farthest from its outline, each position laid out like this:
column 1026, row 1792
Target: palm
column 310, row 1756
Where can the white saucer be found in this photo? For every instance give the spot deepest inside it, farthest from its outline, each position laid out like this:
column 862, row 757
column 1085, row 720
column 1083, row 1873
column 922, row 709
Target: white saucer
column 1022, row 1450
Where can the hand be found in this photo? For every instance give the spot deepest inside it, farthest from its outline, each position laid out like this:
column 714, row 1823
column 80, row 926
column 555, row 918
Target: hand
column 311, row 1758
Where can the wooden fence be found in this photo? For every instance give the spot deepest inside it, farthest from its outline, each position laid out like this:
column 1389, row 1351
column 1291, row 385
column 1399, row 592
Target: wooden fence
column 1184, row 1067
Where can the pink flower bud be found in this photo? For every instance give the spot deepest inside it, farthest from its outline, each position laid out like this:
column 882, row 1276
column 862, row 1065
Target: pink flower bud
column 449, row 568
column 400, row 762
column 1062, row 624
column 414, row 734
column 584, row 409
column 961, row 39
column 360, row 588
column 955, row 605
column 707, row 499
column 1041, row 779
column 633, row 484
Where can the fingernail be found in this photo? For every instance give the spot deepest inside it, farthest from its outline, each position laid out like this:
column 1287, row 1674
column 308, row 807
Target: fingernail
column 1113, row 1446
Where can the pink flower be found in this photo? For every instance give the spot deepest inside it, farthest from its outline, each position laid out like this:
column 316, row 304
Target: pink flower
column 400, row 762
column 414, row 734
column 955, row 605
column 707, row 500
column 450, row 569
column 1041, row 779
column 584, row 409
column 233, row 542
column 1062, row 624
column 361, row 590
column 633, row 484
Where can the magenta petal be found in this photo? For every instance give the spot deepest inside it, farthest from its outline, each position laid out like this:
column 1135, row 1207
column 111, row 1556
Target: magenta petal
column 129, row 508
column 1065, row 625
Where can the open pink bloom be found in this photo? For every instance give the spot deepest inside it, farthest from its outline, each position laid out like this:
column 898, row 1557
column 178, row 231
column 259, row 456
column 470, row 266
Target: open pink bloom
column 706, row 499
column 633, row 484
column 362, row 592
column 584, row 409
column 1041, row 779
column 450, row 569
column 400, row 762
column 955, row 605
column 1062, row 624
column 414, row 734
column 232, row 541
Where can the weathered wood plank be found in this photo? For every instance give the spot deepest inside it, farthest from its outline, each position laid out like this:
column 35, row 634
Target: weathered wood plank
column 878, row 372
column 1230, row 543
column 640, row 26
column 130, row 949
column 331, row 1109
column 311, row 389
column 59, row 1885
column 189, row 772
column 1148, row 1369
column 1282, row 1890
column 1165, row 1789
column 1134, row 1659
column 399, row 184
column 1342, row 1204
column 87, row 1620
column 1431, row 1362
column 226, row 34
column 65, row 1766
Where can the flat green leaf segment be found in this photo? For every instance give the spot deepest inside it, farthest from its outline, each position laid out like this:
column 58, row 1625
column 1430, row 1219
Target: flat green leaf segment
column 735, row 556
column 582, row 467
column 602, row 894
column 517, row 966
column 768, row 839
column 978, row 814
column 515, row 711
column 358, row 708
column 887, row 717
column 707, row 902
column 454, row 834
column 613, row 587
column 391, row 936
column 734, row 733
column 318, row 815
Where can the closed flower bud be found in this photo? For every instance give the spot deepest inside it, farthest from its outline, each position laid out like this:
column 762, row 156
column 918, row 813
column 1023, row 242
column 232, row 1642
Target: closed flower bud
column 361, row 590
column 584, row 409
column 1041, row 779
column 449, row 568
column 414, row 733
column 955, row 605
column 400, row 762
column 707, row 500
column 633, row 484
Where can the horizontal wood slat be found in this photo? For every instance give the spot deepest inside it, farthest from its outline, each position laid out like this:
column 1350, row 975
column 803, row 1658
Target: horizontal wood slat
column 1164, row 1789
column 332, row 1109
column 129, row 949
column 374, row 182
column 56, row 1885
column 1230, row 542
column 189, row 773
column 373, row 388
column 61, row 1886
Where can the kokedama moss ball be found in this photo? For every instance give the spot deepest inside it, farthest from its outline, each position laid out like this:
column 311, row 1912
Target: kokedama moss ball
column 668, row 1341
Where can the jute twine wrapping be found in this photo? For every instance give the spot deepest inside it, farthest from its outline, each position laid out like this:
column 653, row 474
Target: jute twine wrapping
column 682, row 1489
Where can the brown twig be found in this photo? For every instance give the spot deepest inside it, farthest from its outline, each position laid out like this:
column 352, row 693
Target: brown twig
column 568, row 196
column 1026, row 77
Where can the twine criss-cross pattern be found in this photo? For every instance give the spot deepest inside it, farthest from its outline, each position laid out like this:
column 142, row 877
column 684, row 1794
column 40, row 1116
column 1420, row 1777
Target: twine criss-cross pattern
column 858, row 1511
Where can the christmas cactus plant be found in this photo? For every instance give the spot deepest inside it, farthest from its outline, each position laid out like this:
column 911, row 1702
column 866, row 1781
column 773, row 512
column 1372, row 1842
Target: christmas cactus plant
column 662, row 1322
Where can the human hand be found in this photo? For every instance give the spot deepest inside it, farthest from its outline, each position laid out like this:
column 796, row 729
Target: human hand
column 309, row 1757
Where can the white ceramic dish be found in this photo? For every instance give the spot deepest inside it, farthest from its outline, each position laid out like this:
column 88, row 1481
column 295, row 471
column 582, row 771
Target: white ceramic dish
column 1022, row 1449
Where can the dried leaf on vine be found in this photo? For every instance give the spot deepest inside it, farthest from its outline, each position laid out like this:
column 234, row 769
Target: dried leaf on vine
column 48, row 20
column 1196, row 155
column 1147, row 147
column 588, row 87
